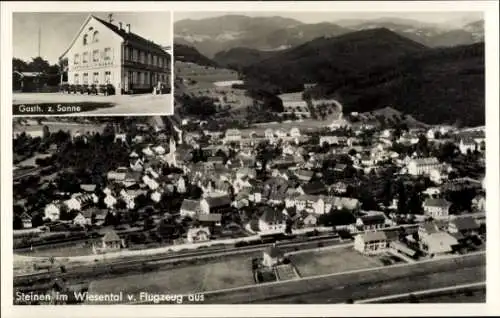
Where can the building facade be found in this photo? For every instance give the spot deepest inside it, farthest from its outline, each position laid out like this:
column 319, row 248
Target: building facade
column 103, row 53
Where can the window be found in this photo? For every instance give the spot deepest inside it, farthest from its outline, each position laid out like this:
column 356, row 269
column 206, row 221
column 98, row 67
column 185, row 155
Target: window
column 96, row 78
column 85, row 57
column 143, row 57
column 160, row 61
column 77, row 79
column 95, row 56
column 95, row 37
column 149, row 58
column 134, row 55
column 85, row 78
column 76, row 60
column 134, row 77
column 154, row 60
column 107, row 54
column 107, row 77
column 85, row 39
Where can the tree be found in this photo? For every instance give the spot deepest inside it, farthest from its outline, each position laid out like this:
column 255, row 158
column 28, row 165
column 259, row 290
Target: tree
column 36, row 220
column 415, row 204
column 148, row 222
column 402, row 198
column 18, row 223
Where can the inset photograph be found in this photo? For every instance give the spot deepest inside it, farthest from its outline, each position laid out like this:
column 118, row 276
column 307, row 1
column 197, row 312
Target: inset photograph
column 104, row 63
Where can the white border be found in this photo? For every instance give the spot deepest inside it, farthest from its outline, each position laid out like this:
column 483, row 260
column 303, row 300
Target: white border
column 490, row 9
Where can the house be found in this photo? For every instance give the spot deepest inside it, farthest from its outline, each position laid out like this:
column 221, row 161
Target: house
column 82, row 219
column 269, row 134
column 467, row 145
column 295, row 132
column 371, row 222
column 463, row 225
column 426, row 229
column 110, row 242
column 479, row 203
column 436, row 208
column 218, row 204
column 104, row 53
column 198, row 234
column 310, row 220
column 26, row 219
column 110, row 201
column 371, row 243
column 272, row 221
column 280, row 133
column 438, row 243
column 232, row 135
column 422, row 166
column 272, row 256
column 52, row 212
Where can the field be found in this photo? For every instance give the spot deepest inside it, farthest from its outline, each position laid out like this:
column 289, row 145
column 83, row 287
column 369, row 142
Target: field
column 233, row 272
column 60, row 251
column 332, row 261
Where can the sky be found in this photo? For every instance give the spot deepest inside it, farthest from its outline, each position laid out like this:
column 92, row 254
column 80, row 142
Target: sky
column 316, row 17
column 59, row 29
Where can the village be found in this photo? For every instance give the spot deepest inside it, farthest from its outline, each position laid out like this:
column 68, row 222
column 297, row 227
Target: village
column 199, row 186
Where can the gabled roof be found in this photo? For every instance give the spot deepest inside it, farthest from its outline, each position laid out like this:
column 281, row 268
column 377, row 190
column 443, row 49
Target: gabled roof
column 134, row 38
column 111, row 236
column 437, row 203
column 373, row 219
column 218, row 201
column 190, row 205
column 374, row 236
column 314, row 187
column 130, row 37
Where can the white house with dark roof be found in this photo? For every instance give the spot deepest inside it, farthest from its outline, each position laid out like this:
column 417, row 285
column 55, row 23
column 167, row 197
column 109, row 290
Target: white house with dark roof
column 272, row 221
column 436, row 208
column 218, row 204
column 422, row 166
column 371, row 242
column 272, row 256
column 105, row 53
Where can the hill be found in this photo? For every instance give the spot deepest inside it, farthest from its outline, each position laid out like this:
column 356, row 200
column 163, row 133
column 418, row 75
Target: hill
column 372, row 69
column 186, row 53
column 241, row 57
column 330, row 60
column 217, row 34
column 443, row 85
column 432, row 35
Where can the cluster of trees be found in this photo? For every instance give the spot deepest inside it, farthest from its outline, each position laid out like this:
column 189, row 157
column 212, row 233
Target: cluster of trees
column 360, row 72
column 198, row 106
column 51, row 72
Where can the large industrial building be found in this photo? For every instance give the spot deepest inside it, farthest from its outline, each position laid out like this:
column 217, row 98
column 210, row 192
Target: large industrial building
column 104, row 53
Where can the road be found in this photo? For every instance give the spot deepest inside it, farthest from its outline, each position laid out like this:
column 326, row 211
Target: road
column 146, row 104
column 358, row 285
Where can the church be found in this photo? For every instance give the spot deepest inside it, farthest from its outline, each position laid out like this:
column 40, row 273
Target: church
column 105, row 53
